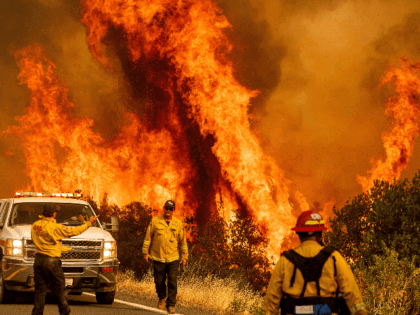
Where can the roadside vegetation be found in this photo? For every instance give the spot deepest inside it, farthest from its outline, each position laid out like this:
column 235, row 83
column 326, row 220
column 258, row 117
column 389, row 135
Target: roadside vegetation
column 210, row 292
column 228, row 270
column 379, row 234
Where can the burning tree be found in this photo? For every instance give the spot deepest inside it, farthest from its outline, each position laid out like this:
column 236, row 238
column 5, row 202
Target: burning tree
column 187, row 136
column 236, row 248
column 193, row 144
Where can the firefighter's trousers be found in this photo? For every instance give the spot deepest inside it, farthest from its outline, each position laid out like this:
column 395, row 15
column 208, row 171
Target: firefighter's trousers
column 161, row 271
column 48, row 273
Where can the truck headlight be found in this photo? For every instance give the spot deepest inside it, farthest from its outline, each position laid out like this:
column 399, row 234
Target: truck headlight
column 110, row 249
column 13, row 247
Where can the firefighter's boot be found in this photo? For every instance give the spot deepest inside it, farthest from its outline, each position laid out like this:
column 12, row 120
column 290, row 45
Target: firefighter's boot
column 161, row 304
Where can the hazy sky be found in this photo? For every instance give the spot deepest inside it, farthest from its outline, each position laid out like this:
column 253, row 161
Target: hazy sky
column 318, row 64
column 324, row 115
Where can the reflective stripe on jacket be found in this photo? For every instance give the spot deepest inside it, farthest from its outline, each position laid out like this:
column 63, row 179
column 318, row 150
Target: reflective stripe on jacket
column 283, row 271
column 162, row 240
column 47, row 235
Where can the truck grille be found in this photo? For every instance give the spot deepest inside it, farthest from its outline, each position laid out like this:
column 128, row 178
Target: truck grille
column 81, row 249
column 71, row 255
column 72, row 243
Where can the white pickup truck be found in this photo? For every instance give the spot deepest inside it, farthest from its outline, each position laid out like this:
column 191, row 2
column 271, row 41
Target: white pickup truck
column 91, row 265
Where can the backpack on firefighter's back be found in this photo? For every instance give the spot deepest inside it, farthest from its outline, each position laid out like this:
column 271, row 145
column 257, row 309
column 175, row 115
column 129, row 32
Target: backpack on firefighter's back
column 311, row 269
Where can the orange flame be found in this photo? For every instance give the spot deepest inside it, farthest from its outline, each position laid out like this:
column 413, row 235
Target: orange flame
column 189, row 36
column 404, row 111
column 207, row 135
column 64, row 154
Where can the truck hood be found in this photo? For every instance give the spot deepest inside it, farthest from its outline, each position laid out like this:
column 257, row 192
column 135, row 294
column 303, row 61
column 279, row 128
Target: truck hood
column 24, row 231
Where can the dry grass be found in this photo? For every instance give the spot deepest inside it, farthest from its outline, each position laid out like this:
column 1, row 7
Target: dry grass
column 387, row 289
column 222, row 296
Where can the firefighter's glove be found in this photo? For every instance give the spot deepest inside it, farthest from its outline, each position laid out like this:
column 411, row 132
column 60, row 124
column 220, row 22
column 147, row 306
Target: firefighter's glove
column 361, row 312
column 93, row 219
column 183, row 261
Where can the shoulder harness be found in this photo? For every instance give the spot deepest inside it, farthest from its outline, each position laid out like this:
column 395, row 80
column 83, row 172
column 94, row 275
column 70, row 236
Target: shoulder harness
column 310, row 267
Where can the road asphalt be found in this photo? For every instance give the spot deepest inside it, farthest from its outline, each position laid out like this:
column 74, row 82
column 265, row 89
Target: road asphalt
column 85, row 304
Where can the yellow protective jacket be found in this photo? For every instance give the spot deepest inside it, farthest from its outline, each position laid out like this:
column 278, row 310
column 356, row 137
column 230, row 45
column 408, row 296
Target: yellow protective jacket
column 283, row 271
column 47, row 235
column 162, row 240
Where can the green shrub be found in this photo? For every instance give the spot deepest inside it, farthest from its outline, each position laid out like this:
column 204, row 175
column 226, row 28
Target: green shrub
column 386, row 218
column 389, row 285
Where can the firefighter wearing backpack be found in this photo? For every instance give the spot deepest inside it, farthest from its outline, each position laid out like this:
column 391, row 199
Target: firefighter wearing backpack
column 310, row 278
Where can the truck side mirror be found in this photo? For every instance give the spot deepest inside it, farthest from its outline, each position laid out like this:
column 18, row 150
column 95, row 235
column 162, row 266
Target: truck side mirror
column 113, row 226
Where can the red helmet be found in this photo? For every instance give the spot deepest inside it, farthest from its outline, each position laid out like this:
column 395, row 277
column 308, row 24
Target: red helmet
column 309, row 221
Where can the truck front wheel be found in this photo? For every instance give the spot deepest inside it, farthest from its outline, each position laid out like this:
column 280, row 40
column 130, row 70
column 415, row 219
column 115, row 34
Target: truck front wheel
column 6, row 296
column 105, row 297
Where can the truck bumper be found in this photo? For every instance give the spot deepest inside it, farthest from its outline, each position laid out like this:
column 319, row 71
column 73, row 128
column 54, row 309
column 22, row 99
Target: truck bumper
column 18, row 275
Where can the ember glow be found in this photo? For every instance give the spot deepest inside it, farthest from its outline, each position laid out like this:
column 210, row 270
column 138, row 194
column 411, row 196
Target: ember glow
column 404, row 112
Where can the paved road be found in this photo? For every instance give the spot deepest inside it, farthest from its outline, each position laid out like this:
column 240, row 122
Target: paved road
column 85, row 304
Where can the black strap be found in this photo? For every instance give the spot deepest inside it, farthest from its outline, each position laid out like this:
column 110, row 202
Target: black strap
column 335, row 267
column 310, row 267
column 304, row 288
column 318, row 289
column 335, row 274
column 297, row 261
column 292, row 279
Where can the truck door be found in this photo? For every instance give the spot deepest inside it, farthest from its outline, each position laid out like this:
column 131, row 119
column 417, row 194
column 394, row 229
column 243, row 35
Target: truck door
column 3, row 214
column 3, row 210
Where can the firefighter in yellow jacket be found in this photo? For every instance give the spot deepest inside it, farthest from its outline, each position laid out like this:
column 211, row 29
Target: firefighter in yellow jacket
column 164, row 238
column 47, row 236
column 310, row 278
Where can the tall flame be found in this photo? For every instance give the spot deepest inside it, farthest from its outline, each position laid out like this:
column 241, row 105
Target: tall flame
column 404, row 111
column 63, row 153
column 196, row 146
column 189, row 36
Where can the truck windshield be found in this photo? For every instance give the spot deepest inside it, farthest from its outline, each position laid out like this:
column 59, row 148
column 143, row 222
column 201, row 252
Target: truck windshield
column 69, row 214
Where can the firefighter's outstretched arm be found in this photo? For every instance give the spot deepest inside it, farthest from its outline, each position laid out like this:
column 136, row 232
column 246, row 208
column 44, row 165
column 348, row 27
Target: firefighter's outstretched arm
column 63, row 231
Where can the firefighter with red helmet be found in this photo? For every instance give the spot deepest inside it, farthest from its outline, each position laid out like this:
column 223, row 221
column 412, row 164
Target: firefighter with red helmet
column 310, row 278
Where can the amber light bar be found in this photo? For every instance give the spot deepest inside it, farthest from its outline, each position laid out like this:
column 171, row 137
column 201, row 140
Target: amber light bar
column 47, row 194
